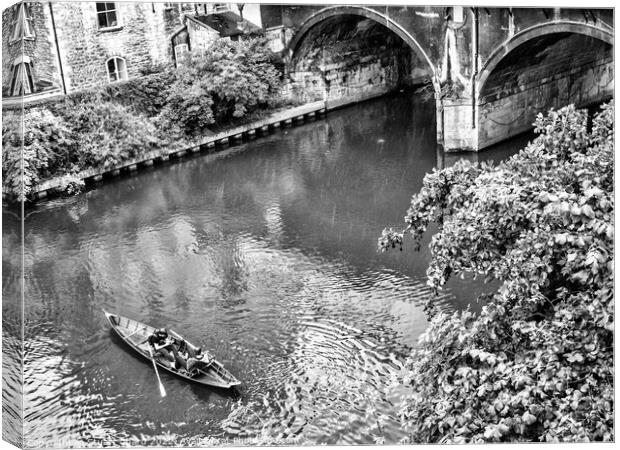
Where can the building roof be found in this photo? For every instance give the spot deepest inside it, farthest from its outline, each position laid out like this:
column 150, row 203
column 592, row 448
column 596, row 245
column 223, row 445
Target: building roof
column 227, row 23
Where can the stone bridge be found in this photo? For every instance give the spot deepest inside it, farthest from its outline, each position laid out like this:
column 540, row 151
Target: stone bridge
column 490, row 70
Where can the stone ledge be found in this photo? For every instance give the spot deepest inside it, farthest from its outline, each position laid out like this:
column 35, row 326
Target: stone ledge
column 163, row 154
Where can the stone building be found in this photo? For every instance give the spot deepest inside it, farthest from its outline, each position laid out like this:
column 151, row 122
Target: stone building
column 54, row 48
column 202, row 28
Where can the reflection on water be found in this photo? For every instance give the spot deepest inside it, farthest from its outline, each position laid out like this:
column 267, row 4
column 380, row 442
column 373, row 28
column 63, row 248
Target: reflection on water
column 265, row 254
column 12, row 320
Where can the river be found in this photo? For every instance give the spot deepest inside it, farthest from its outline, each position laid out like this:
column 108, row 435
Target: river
column 267, row 255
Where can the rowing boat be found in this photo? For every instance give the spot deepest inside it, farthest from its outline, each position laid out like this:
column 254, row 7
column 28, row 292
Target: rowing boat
column 136, row 334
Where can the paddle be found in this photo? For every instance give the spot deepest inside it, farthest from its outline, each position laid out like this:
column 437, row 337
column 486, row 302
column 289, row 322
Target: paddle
column 162, row 391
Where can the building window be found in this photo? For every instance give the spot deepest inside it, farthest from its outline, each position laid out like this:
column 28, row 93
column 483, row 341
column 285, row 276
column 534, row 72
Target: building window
column 22, row 82
column 181, row 52
column 23, row 24
column 117, row 69
column 106, row 15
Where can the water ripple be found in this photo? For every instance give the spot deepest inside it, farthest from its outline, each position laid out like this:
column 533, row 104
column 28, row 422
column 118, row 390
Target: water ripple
column 265, row 254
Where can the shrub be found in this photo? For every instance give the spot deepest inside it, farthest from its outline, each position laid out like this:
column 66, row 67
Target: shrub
column 242, row 76
column 105, row 133
column 188, row 110
column 227, row 81
column 45, row 150
column 146, row 95
column 537, row 362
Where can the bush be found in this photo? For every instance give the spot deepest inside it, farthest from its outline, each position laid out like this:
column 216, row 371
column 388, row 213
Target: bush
column 105, row 134
column 242, row 77
column 188, row 110
column 146, row 95
column 536, row 364
column 45, row 150
column 227, row 81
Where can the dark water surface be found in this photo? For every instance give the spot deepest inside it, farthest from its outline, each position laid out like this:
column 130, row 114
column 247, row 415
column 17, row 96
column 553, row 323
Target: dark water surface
column 266, row 255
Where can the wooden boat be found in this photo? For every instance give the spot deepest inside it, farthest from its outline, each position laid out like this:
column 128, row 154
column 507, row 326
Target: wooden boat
column 136, row 334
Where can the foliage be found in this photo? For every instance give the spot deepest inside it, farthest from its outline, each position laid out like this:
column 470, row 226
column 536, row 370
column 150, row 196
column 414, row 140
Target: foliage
column 71, row 183
column 105, row 134
column 188, row 109
column 229, row 80
column 45, row 151
column 537, row 362
column 145, row 95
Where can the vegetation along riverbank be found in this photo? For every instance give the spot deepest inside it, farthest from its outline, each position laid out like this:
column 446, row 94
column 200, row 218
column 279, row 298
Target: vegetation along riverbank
column 536, row 364
column 231, row 83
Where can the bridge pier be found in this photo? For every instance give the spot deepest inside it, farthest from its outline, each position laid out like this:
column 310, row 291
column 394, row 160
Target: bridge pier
column 457, row 125
column 547, row 67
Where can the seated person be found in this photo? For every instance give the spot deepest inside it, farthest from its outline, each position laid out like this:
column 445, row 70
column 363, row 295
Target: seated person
column 182, row 345
column 196, row 361
column 159, row 341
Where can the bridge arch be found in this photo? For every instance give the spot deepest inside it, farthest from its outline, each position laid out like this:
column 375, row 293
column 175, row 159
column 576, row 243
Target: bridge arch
column 332, row 11
column 535, row 32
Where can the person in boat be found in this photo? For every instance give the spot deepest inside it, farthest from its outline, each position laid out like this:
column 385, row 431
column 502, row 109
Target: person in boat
column 163, row 344
column 197, row 360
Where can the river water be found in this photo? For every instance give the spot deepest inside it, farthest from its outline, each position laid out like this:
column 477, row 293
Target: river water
column 266, row 255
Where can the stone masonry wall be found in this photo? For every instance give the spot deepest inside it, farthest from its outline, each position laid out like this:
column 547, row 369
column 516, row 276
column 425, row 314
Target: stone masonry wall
column 348, row 58
column 358, row 79
column 551, row 73
column 514, row 114
column 140, row 38
column 351, row 81
column 40, row 49
column 200, row 37
column 10, row 52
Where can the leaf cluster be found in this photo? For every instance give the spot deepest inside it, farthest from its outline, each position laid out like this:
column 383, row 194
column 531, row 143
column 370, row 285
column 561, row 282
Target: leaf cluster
column 83, row 132
column 45, row 150
column 104, row 134
column 228, row 80
column 537, row 362
column 145, row 95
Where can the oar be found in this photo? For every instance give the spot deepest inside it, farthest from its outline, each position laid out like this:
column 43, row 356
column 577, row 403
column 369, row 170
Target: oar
column 162, row 391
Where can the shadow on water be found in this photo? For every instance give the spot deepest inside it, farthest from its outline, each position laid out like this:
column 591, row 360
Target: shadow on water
column 493, row 154
column 267, row 256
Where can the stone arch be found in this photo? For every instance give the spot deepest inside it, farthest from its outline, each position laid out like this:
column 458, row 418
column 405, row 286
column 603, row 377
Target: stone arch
column 534, row 32
column 368, row 13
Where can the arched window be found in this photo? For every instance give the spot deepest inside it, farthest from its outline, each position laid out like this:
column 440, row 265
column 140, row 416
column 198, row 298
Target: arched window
column 22, row 25
column 117, row 69
column 22, row 82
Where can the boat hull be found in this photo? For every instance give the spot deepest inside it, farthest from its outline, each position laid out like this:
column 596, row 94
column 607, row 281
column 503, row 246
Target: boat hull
column 135, row 334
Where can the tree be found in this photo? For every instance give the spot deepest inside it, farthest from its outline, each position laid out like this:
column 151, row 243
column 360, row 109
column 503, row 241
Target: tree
column 224, row 82
column 537, row 362
column 105, row 133
column 42, row 152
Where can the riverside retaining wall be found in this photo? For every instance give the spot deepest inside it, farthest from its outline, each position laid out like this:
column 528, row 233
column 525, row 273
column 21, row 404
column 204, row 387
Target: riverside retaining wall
column 208, row 144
